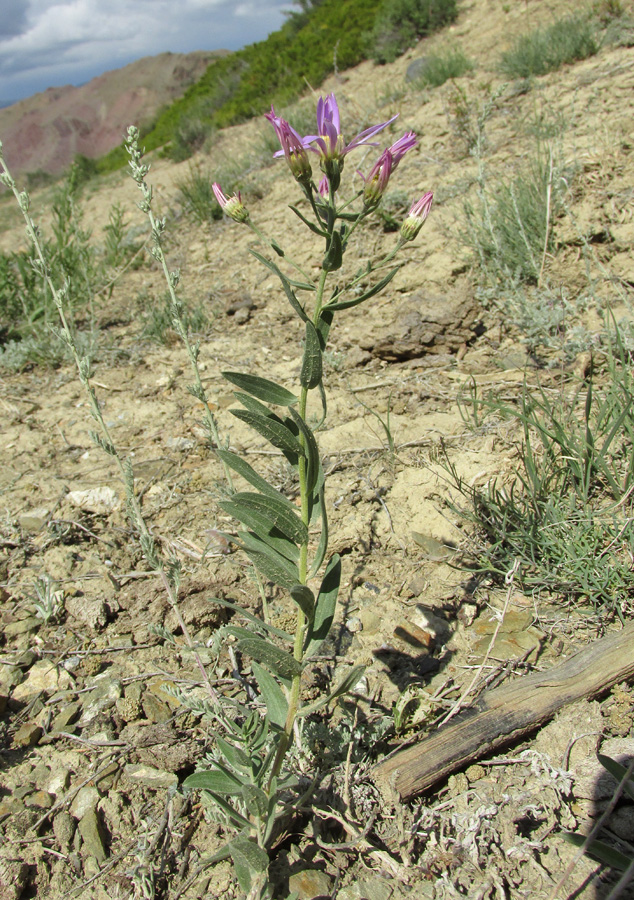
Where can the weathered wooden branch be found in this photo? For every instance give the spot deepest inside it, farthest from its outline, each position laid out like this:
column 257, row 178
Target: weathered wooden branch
column 506, row 713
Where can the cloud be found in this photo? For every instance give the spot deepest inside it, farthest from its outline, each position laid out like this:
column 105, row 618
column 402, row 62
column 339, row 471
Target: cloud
column 52, row 42
column 13, row 19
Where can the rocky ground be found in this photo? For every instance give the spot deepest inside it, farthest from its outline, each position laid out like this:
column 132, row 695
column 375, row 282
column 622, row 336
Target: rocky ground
column 95, row 742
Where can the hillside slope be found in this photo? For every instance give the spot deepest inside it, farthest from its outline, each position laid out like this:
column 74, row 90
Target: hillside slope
column 46, row 131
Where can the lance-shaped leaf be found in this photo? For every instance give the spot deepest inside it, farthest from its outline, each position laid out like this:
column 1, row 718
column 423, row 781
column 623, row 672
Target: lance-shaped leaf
column 601, row 851
column 346, row 684
column 322, row 547
column 269, row 561
column 314, row 228
column 323, row 325
column 255, row 406
column 619, row 772
column 324, row 607
column 334, row 255
column 305, row 599
column 259, row 511
column 311, row 451
column 249, row 861
column 354, row 301
column 255, row 800
column 253, row 619
column 265, row 652
column 276, row 703
column 311, row 372
column 242, row 467
column 262, row 388
column 275, row 432
column 234, row 756
column 286, row 284
column 216, row 780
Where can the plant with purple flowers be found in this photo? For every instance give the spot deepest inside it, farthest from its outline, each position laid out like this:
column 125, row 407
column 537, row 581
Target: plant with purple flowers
column 249, row 778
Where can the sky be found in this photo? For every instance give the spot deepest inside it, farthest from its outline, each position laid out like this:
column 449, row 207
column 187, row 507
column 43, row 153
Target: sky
column 49, row 43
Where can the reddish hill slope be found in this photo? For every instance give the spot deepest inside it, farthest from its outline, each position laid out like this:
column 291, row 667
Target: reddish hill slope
column 46, row 131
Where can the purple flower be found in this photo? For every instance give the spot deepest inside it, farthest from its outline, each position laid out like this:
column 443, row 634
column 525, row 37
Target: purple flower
column 292, row 148
column 416, row 217
column 324, row 187
column 400, row 148
column 232, row 206
column 331, row 145
column 377, row 180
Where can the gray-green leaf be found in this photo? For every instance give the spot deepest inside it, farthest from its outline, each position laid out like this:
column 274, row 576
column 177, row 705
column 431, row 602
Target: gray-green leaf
column 305, row 599
column 311, row 371
column 214, row 780
column 262, row 388
column 346, row 684
column 273, row 695
column 270, row 511
column 324, row 607
column 274, row 432
column 266, row 653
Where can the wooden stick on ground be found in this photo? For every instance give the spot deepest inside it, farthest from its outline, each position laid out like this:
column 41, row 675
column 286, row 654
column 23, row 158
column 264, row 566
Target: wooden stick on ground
column 505, row 714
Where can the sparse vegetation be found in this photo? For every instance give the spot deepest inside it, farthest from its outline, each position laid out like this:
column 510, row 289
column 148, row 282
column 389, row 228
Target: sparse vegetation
column 439, row 68
column 400, row 23
column 547, row 49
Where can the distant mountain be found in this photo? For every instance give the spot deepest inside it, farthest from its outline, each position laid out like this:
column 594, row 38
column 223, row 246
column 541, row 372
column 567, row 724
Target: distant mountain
column 46, row 131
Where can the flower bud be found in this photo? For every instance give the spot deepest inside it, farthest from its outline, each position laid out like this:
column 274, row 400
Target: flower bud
column 231, row 206
column 416, row 217
column 376, row 182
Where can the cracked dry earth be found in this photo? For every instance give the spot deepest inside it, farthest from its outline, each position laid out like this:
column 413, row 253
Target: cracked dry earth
column 94, row 741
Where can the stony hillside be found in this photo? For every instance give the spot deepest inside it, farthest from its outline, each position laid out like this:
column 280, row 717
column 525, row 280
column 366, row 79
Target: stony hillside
column 44, row 133
column 96, row 744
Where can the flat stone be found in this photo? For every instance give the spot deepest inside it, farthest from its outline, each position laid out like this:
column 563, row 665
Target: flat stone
column 58, row 782
column 43, row 677
column 28, row 735
column 310, row 884
column 154, row 709
column 93, row 836
column 101, row 500
column 64, row 828
column 65, row 717
column 10, row 677
column 23, row 626
column 40, row 800
column 33, row 519
column 85, row 799
column 149, row 777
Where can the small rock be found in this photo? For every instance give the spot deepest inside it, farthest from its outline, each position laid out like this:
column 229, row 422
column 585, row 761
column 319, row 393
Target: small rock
column 65, row 717
column 93, row 613
column 101, row 500
column 354, row 624
column 93, row 836
column 370, row 621
column 33, row 519
column 10, row 677
column 155, row 710
column 24, row 626
column 242, row 315
column 28, row 735
column 40, row 800
column 64, row 829
column 85, row 799
column 153, row 778
column 310, row 884
column 104, row 695
column 58, row 783
column 42, row 677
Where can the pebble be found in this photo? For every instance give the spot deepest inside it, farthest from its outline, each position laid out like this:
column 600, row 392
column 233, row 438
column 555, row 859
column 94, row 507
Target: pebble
column 149, row 777
column 155, row 710
column 101, row 500
column 93, row 836
column 310, row 883
column 28, row 735
column 33, row 519
column 64, row 828
column 65, row 717
column 40, row 800
column 43, row 677
column 354, row 624
column 58, row 782
column 24, row 626
column 85, row 799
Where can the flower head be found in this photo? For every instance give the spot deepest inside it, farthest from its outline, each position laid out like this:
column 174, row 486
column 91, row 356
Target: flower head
column 416, row 217
column 400, row 148
column 232, row 206
column 330, row 142
column 292, row 148
column 377, row 180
